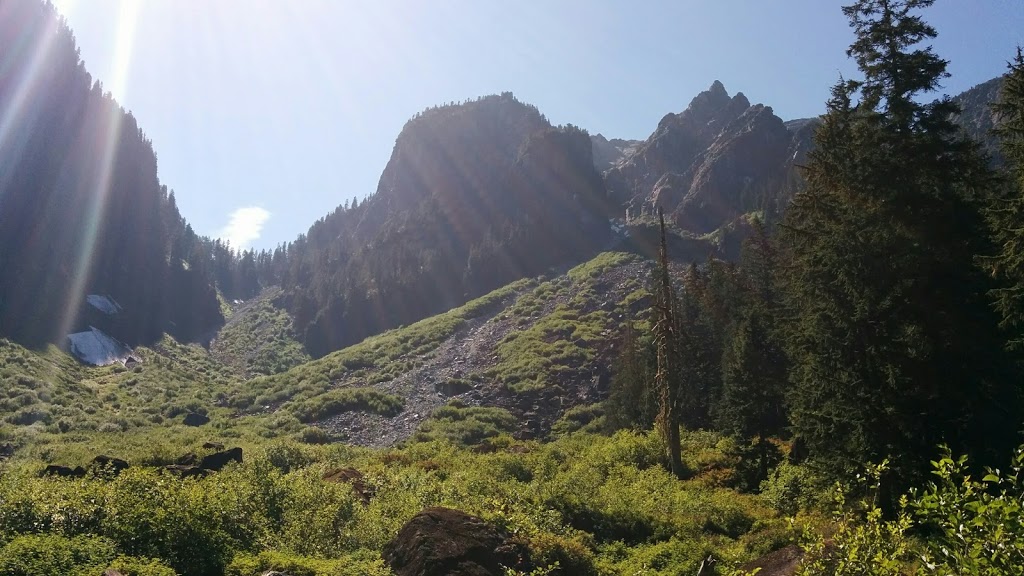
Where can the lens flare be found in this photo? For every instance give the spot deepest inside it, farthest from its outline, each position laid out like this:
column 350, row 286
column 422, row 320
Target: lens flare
column 93, row 217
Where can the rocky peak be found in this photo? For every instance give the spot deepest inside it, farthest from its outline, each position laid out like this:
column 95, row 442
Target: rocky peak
column 717, row 160
column 709, row 100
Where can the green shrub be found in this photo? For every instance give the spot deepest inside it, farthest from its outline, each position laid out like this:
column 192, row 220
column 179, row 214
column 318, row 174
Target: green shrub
column 54, row 555
column 347, row 400
column 256, row 565
column 465, row 425
column 314, row 435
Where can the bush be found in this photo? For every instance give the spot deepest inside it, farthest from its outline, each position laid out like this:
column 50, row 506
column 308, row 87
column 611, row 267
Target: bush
column 465, row 425
column 347, row 400
column 53, row 555
column 83, row 555
column 255, row 565
column 314, row 435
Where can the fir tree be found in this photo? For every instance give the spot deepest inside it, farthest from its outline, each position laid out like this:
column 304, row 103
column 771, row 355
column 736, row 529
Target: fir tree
column 630, row 403
column 894, row 347
column 1007, row 215
column 754, row 366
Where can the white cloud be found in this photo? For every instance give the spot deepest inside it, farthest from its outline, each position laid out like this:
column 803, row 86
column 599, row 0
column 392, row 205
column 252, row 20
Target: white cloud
column 244, row 226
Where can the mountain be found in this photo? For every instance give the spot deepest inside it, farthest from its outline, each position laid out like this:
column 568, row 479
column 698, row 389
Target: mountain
column 82, row 209
column 608, row 153
column 977, row 117
column 717, row 160
column 475, row 195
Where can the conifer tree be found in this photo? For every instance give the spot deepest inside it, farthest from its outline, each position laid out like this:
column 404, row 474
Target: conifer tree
column 1007, row 215
column 754, row 366
column 630, row 403
column 893, row 345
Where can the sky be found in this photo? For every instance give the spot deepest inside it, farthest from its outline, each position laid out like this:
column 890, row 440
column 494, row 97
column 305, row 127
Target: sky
column 267, row 114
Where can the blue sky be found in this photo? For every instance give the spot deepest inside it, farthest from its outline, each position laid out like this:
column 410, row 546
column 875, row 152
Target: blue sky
column 266, row 115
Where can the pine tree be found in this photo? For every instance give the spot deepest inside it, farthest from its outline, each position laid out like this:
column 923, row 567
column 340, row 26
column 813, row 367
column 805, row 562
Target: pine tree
column 893, row 345
column 1007, row 215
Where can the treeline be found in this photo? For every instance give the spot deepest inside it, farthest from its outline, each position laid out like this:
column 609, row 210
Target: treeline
column 81, row 208
column 883, row 316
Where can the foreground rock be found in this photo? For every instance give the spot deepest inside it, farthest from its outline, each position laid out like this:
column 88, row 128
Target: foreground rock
column 103, row 464
column 195, row 419
column 64, row 471
column 218, row 460
column 782, row 562
column 446, row 542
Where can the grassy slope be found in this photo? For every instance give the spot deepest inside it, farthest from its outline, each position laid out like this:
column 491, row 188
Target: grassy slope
column 258, row 339
column 373, row 360
column 49, row 399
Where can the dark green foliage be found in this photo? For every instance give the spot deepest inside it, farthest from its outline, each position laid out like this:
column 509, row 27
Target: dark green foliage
column 754, row 366
column 893, row 343
column 632, row 402
column 1007, row 213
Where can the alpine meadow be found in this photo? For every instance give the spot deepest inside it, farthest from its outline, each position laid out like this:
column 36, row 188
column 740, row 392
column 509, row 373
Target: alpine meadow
column 745, row 344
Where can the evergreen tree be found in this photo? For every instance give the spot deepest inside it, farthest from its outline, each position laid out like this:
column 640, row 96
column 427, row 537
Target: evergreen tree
column 754, row 366
column 893, row 344
column 631, row 403
column 1007, row 215
column 699, row 346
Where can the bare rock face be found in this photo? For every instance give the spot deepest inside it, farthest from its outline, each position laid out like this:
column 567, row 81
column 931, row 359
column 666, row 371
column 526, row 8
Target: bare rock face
column 717, row 160
column 446, row 542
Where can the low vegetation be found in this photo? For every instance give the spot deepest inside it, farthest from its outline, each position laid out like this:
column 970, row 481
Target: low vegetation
column 594, row 504
column 258, row 339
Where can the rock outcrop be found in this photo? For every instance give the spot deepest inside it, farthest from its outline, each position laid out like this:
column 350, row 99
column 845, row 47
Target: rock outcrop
column 782, row 562
column 446, row 542
column 195, row 419
column 608, row 153
column 218, row 460
column 708, row 165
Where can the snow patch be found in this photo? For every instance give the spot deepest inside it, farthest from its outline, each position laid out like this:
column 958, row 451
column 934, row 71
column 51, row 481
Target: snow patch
column 104, row 304
column 97, row 348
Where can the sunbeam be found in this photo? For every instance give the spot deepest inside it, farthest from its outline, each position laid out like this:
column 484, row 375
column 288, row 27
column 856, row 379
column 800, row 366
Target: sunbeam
column 93, row 218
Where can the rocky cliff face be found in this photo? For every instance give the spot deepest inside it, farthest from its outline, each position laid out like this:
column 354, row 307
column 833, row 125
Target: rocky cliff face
column 608, row 153
column 977, row 117
column 717, row 160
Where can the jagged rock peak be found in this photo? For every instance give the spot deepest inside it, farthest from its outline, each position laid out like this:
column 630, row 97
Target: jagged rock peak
column 709, row 100
column 740, row 100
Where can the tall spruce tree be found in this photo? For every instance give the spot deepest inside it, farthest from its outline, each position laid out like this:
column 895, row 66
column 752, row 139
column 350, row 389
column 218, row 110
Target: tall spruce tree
column 631, row 402
column 754, row 365
column 894, row 346
column 1007, row 214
